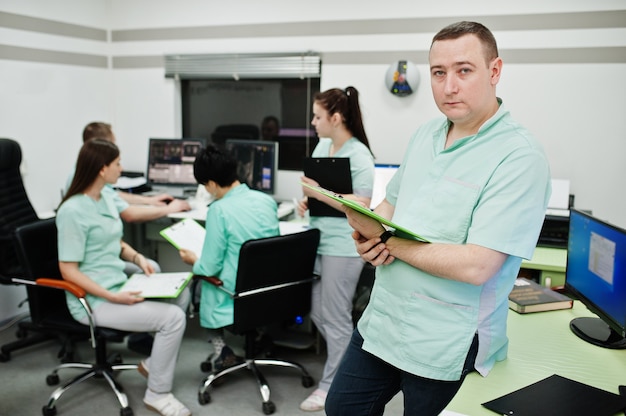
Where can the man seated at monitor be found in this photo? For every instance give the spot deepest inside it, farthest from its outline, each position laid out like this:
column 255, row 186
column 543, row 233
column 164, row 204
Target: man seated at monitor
column 133, row 207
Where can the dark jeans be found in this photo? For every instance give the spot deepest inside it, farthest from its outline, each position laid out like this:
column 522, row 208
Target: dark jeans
column 364, row 384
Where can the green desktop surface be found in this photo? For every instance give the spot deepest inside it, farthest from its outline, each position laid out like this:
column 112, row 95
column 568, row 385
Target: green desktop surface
column 550, row 264
column 540, row 345
column 547, row 259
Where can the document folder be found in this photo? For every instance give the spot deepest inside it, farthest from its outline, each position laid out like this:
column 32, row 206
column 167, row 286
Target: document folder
column 400, row 231
column 185, row 234
column 158, row 285
column 330, row 173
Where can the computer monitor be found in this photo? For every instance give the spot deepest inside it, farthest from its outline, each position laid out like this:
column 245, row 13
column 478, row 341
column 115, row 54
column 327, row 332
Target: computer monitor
column 170, row 162
column 382, row 175
column 258, row 161
column 596, row 275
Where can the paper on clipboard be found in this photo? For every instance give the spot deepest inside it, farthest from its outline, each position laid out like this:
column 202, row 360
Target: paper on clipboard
column 158, row 285
column 186, row 234
column 401, row 231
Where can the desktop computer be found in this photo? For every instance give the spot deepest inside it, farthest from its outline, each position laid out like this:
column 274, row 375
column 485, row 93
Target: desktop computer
column 170, row 166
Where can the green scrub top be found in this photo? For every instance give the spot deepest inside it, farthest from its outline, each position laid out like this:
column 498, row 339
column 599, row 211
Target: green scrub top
column 490, row 189
column 90, row 233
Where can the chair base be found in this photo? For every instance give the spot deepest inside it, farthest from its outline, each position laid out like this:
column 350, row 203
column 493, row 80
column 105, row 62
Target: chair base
column 268, row 406
column 104, row 371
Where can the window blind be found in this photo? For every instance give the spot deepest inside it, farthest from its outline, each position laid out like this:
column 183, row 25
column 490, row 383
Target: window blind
column 243, row 66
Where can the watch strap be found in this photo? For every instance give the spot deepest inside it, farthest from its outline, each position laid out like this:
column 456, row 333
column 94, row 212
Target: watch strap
column 386, row 236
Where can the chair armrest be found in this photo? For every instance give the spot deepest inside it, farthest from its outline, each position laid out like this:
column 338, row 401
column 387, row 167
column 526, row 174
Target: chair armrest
column 264, row 289
column 73, row 288
column 220, row 285
column 215, row 281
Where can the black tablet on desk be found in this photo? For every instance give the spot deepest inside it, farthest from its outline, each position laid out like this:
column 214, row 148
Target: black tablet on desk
column 557, row 396
column 331, row 173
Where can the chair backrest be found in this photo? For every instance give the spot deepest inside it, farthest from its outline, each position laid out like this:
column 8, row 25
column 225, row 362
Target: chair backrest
column 235, row 131
column 15, row 207
column 37, row 251
column 269, row 262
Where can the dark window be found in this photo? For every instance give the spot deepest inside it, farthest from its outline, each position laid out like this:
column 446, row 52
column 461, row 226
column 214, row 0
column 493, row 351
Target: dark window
column 218, row 110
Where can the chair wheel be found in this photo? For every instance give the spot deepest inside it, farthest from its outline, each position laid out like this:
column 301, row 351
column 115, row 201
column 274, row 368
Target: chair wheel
column 204, row 397
column 126, row 411
column 206, row 366
column 269, row 408
column 49, row 411
column 21, row 333
column 52, row 380
column 4, row 357
column 307, row 381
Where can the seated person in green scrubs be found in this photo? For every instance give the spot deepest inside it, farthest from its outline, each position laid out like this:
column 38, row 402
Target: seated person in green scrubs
column 92, row 254
column 238, row 214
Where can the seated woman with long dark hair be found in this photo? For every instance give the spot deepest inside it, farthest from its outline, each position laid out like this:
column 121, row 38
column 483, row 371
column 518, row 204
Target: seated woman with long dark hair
column 92, row 254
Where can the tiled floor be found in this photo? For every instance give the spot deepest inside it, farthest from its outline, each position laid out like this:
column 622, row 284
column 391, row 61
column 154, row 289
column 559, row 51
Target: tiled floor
column 24, row 390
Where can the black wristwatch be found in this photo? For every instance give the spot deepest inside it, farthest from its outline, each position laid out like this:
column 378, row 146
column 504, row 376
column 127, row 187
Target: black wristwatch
column 386, row 236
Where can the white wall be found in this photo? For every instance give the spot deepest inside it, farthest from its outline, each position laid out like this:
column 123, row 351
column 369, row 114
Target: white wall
column 576, row 110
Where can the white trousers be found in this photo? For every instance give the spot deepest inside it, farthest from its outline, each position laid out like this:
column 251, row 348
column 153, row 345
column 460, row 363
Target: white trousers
column 331, row 308
column 166, row 319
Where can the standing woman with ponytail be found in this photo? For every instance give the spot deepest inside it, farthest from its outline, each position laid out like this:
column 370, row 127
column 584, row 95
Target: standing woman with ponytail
column 339, row 125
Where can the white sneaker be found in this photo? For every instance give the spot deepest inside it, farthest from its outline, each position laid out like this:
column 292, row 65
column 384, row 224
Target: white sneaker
column 167, row 405
column 315, row 402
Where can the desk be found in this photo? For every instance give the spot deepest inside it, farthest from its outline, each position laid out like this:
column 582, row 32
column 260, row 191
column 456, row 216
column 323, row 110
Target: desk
column 145, row 237
column 541, row 344
column 550, row 262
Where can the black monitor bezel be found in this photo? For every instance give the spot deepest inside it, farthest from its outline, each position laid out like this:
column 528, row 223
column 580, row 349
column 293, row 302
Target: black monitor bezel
column 613, row 324
column 273, row 144
column 151, row 140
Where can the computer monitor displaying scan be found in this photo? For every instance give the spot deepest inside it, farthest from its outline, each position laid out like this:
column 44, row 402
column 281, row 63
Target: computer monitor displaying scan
column 170, row 162
column 596, row 275
column 382, row 175
column 258, row 161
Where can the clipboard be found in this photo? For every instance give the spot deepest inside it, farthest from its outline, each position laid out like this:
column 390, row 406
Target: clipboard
column 187, row 233
column 558, row 396
column 400, row 231
column 158, row 285
column 330, row 173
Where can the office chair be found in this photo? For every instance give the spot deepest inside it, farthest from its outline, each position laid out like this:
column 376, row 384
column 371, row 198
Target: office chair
column 16, row 210
column 274, row 279
column 37, row 249
column 234, row 131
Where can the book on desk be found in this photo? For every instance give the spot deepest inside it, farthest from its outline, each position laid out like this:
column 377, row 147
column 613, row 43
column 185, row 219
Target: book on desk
column 529, row 296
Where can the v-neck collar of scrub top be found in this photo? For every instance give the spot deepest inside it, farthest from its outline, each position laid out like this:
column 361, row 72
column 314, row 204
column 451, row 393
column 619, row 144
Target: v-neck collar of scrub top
column 104, row 206
column 438, row 136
